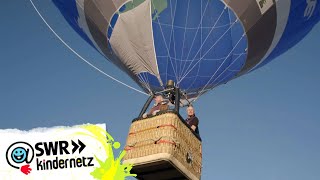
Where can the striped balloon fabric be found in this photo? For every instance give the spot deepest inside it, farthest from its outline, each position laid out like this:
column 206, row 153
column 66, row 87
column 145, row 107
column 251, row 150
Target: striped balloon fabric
column 199, row 44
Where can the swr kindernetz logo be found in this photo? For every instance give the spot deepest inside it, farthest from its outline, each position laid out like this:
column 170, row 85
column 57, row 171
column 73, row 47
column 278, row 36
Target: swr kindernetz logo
column 20, row 155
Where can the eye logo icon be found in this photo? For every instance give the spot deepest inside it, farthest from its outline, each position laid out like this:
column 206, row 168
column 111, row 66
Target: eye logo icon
column 19, row 155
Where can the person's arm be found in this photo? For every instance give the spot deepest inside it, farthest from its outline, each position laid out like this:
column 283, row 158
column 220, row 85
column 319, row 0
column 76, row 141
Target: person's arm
column 155, row 112
column 151, row 110
column 193, row 127
column 194, row 123
column 144, row 115
column 155, row 109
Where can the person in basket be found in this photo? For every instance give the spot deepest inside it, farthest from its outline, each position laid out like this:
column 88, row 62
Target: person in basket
column 192, row 119
column 158, row 106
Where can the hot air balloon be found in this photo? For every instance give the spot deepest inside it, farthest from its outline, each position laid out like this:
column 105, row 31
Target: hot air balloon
column 199, row 44
column 196, row 44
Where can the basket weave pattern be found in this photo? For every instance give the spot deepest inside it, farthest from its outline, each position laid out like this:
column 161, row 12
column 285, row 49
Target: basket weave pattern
column 165, row 134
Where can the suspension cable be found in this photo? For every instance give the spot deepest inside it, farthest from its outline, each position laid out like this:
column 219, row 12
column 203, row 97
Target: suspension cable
column 83, row 59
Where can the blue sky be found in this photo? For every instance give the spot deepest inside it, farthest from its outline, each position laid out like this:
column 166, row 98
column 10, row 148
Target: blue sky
column 262, row 126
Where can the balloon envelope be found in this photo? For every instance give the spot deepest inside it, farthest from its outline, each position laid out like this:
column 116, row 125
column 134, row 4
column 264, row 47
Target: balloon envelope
column 199, row 44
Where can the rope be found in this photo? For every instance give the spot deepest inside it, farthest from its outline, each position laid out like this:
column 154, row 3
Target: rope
column 166, row 142
column 203, row 89
column 83, row 59
column 159, row 141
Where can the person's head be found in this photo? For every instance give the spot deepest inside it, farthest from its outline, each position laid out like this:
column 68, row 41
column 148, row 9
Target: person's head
column 190, row 111
column 158, row 99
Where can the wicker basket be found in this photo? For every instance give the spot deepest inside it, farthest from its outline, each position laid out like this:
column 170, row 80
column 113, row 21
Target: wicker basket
column 163, row 147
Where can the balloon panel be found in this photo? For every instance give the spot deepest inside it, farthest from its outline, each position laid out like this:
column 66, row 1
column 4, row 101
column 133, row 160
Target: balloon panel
column 199, row 44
